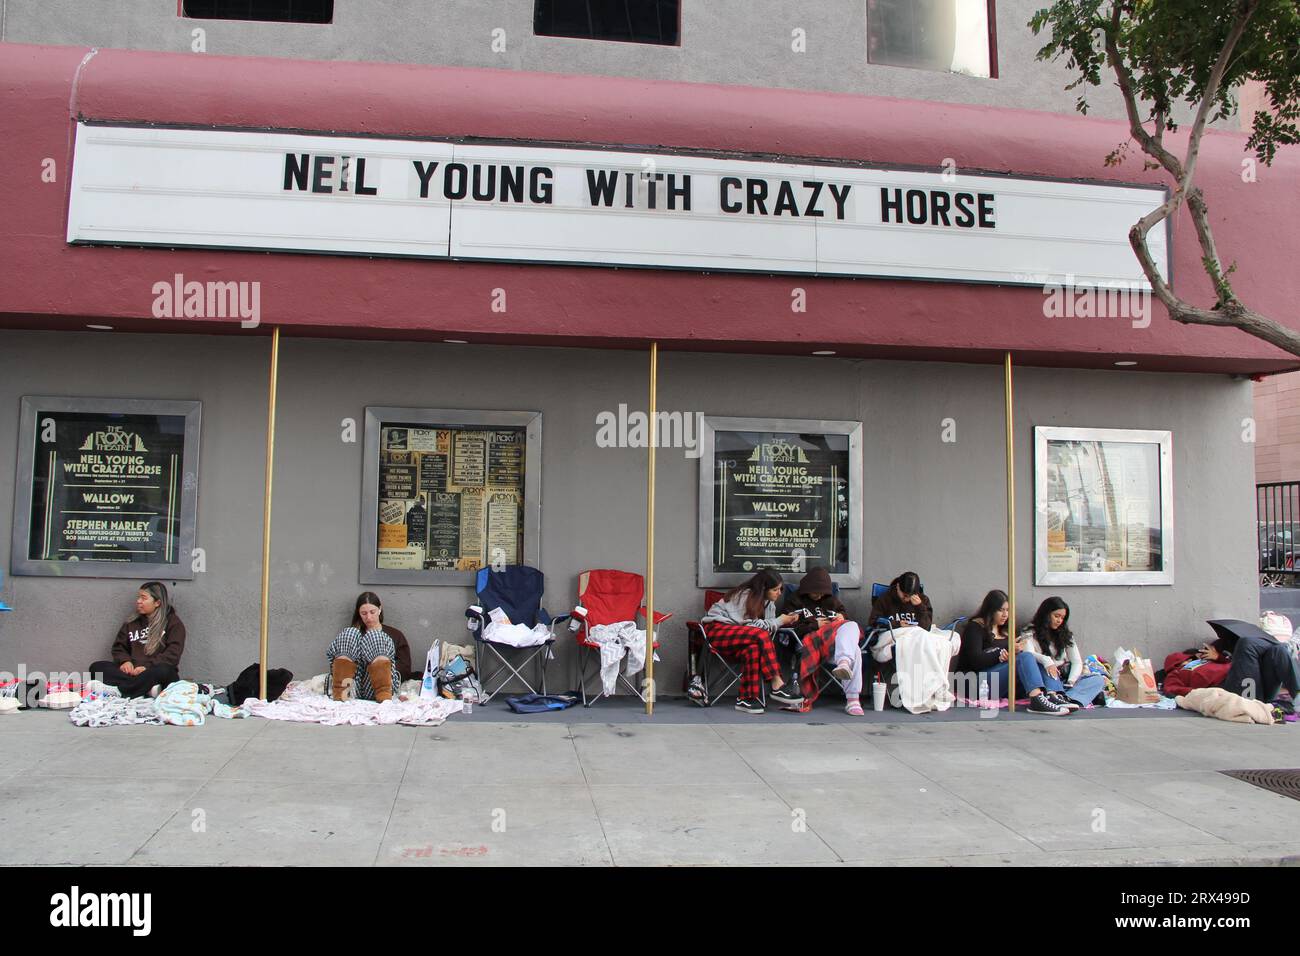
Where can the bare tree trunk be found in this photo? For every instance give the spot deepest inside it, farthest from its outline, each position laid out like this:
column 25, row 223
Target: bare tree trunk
column 1228, row 310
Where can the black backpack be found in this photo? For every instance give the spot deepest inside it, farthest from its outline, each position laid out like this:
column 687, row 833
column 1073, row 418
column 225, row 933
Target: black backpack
column 246, row 684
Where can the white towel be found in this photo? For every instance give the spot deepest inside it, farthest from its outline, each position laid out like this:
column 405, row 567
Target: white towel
column 617, row 640
column 923, row 658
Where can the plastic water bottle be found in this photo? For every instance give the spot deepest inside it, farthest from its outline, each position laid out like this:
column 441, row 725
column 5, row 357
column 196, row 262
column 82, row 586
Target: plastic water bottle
column 984, row 688
column 467, row 701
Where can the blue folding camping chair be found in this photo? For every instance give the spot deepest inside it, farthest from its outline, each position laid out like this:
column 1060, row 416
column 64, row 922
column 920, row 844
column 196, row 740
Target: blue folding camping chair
column 516, row 591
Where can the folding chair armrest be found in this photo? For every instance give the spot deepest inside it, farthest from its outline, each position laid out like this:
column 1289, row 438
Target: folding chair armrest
column 476, row 621
column 659, row 616
column 554, row 621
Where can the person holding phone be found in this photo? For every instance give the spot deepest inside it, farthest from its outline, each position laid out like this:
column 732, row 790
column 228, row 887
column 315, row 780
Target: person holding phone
column 741, row 626
column 1194, row 668
column 905, row 604
column 918, row 655
column 985, row 649
column 826, row 634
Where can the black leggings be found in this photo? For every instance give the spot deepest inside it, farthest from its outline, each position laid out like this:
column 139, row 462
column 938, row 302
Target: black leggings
column 138, row 686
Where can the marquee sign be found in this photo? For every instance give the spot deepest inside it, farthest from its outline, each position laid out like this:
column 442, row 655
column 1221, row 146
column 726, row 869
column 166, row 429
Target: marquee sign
column 298, row 192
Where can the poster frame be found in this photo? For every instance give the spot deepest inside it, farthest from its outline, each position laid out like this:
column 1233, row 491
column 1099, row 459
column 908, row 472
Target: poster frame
column 368, row 570
column 706, row 576
column 1043, row 434
column 182, row 569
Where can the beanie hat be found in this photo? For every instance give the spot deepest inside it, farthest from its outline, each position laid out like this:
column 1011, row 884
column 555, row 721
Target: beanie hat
column 816, row 581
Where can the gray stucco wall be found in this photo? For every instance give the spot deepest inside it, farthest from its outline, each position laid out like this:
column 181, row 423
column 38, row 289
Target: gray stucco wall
column 745, row 42
column 930, row 505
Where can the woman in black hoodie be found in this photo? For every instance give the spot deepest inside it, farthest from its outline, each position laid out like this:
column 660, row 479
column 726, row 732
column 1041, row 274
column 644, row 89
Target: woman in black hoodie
column 827, row 634
column 904, row 604
column 148, row 647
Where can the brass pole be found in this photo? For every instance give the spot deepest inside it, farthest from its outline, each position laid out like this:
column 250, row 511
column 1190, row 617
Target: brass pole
column 266, row 512
column 1011, row 540
column 650, row 537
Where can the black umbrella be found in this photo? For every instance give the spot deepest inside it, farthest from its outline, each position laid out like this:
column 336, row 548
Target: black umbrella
column 1229, row 631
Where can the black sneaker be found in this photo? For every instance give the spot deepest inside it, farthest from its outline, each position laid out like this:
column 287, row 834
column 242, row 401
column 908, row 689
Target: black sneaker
column 695, row 690
column 786, row 696
column 1042, row 704
column 750, row 705
column 1059, row 698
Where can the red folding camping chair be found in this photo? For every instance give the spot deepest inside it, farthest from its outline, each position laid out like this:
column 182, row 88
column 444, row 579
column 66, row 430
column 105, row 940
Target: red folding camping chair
column 607, row 597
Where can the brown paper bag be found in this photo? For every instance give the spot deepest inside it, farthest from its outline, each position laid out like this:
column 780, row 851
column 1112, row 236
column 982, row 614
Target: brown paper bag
column 1136, row 683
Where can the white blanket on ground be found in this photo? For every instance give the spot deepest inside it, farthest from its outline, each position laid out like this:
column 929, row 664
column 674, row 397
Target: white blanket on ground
column 617, row 640
column 923, row 658
column 299, row 704
column 179, row 704
column 106, row 711
column 516, row 635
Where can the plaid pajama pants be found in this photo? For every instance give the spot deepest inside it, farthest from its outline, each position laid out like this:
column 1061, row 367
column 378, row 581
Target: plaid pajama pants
column 361, row 649
column 818, row 648
column 752, row 647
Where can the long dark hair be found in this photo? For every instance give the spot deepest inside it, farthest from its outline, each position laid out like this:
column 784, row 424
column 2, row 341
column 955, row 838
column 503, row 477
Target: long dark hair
column 909, row 583
column 157, row 621
column 1052, row 642
column 989, row 608
column 757, row 586
column 366, row 597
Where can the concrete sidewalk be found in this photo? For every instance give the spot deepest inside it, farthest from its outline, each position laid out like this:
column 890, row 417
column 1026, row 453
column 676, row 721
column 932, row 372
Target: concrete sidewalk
column 606, row 786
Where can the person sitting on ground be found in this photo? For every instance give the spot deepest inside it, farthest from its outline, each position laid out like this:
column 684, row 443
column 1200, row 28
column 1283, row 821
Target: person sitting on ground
column 147, row 650
column 826, row 634
column 741, row 625
column 985, row 650
column 905, row 604
column 1195, row 667
column 1049, row 639
column 368, row 656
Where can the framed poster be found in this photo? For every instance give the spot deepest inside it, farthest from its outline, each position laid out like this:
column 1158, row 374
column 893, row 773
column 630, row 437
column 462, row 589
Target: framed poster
column 106, row 488
column 1103, row 506
column 448, row 491
column 779, row 493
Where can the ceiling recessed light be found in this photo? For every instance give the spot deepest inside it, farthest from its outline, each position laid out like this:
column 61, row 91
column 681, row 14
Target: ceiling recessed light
column 456, row 341
column 825, row 352
column 1124, row 364
column 101, row 328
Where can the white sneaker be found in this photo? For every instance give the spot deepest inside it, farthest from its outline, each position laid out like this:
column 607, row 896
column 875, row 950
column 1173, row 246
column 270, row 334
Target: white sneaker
column 155, row 690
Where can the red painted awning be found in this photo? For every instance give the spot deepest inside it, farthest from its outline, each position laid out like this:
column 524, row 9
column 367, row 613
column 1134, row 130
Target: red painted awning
column 46, row 283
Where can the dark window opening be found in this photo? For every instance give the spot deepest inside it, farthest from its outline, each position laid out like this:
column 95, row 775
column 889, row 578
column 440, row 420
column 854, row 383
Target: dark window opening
column 954, row 36
column 281, row 11
column 632, row 21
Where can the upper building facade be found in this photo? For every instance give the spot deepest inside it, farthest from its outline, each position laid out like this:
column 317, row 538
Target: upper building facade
column 978, row 52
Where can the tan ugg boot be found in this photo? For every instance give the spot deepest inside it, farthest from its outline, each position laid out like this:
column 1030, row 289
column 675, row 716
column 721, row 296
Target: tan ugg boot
column 343, row 673
column 381, row 679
